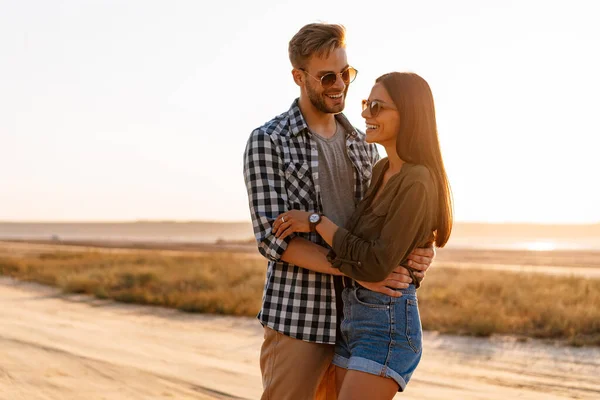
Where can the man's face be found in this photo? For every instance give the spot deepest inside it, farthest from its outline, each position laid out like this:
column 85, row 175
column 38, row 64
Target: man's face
column 332, row 99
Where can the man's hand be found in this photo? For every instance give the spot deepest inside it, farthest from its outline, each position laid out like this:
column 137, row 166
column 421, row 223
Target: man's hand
column 420, row 260
column 398, row 279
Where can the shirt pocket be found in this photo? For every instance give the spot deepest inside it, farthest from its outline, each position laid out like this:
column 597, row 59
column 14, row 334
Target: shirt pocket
column 371, row 223
column 299, row 186
column 375, row 220
column 381, row 209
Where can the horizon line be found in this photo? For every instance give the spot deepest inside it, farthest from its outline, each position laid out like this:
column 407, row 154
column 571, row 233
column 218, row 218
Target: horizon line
column 192, row 221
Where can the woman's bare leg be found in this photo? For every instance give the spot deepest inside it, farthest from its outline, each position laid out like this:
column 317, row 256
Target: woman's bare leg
column 359, row 385
column 340, row 373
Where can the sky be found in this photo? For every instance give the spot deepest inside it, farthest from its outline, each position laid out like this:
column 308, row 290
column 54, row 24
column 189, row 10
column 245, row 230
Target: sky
column 140, row 110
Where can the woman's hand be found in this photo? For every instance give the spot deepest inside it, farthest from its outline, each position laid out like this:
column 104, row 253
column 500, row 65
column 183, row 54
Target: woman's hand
column 290, row 222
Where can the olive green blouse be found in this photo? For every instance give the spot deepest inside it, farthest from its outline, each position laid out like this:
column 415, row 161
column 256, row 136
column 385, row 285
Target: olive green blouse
column 381, row 235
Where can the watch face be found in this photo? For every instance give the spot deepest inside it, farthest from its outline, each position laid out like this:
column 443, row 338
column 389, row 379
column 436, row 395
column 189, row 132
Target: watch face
column 314, row 218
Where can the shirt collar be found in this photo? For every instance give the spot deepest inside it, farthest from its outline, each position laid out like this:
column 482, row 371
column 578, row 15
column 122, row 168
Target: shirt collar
column 298, row 123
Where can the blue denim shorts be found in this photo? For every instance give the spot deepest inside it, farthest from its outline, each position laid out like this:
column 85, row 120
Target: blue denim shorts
column 381, row 335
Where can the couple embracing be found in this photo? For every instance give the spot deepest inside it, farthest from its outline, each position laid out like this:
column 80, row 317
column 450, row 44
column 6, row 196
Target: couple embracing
column 348, row 235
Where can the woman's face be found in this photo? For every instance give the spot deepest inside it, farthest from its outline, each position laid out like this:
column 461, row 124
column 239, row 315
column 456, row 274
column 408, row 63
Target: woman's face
column 383, row 127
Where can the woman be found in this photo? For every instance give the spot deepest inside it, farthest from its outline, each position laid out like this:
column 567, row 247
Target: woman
column 408, row 205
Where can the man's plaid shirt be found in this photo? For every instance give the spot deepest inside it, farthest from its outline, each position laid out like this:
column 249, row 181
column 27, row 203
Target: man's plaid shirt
column 281, row 171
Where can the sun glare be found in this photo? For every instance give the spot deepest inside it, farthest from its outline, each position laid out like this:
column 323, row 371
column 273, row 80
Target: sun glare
column 540, row 246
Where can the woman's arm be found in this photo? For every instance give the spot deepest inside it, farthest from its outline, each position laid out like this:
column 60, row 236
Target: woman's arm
column 372, row 261
column 306, row 254
column 327, row 229
column 404, row 229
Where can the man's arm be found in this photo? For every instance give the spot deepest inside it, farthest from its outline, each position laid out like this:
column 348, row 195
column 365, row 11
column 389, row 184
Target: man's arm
column 267, row 195
column 309, row 255
column 267, row 198
column 419, row 260
column 373, row 260
column 306, row 254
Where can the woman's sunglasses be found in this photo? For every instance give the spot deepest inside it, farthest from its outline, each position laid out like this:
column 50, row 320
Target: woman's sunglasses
column 328, row 80
column 375, row 107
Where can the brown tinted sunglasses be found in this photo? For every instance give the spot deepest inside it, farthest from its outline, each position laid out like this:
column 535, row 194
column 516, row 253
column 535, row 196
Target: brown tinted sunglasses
column 375, row 107
column 328, row 80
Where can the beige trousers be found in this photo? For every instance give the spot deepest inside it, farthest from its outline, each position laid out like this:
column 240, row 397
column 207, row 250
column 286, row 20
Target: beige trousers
column 293, row 369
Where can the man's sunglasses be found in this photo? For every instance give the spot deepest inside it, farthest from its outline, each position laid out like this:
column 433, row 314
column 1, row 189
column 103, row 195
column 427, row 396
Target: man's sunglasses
column 328, row 80
column 375, row 107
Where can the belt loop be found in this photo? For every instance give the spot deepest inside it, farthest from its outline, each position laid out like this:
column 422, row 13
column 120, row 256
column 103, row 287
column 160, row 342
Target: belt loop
column 348, row 282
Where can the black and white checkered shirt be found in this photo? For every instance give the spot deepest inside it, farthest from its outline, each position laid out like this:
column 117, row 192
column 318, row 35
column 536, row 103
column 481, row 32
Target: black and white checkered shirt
column 281, row 171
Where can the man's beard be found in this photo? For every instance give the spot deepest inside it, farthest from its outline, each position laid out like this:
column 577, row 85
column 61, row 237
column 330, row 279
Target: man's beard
column 318, row 100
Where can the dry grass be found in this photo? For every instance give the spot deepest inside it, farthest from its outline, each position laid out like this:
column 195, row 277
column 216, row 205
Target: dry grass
column 216, row 283
column 481, row 303
column 458, row 301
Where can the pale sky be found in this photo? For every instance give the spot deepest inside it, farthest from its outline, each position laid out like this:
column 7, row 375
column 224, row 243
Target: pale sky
column 126, row 110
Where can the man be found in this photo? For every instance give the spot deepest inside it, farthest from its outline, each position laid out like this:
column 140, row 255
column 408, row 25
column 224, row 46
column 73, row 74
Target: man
column 309, row 158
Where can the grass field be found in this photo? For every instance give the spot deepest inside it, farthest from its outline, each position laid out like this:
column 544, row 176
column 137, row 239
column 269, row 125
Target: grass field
column 457, row 301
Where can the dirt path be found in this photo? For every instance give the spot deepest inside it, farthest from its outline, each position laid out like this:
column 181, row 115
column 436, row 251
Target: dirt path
column 74, row 347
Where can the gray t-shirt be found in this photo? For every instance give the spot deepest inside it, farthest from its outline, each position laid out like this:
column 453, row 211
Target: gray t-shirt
column 336, row 177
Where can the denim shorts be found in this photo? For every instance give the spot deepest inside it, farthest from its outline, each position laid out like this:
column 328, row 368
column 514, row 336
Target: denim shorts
column 381, row 335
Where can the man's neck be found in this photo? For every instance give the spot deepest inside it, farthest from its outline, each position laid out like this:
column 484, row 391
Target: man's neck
column 323, row 124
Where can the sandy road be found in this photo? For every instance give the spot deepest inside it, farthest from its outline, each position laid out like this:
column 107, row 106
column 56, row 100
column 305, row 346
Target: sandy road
column 54, row 347
column 74, row 347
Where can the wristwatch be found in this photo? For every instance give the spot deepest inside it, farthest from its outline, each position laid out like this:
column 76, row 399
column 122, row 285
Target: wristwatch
column 314, row 219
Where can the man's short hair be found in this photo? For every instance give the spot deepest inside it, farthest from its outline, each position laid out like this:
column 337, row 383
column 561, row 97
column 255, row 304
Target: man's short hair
column 315, row 39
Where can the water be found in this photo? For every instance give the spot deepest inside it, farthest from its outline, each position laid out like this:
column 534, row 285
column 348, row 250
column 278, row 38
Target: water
column 532, row 244
column 476, row 236
column 194, row 232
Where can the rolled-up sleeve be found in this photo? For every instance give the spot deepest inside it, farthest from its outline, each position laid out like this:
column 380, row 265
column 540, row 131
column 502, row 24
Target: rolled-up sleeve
column 407, row 224
column 267, row 196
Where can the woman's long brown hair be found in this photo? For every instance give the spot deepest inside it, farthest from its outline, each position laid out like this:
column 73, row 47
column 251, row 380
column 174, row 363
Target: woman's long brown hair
column 418, row 142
